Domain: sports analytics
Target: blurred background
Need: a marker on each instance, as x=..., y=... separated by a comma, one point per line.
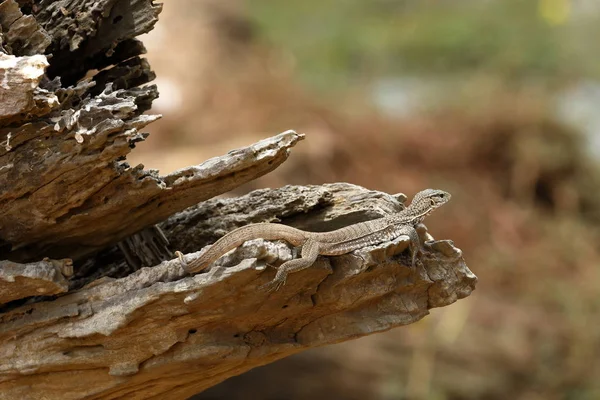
x=494, y=101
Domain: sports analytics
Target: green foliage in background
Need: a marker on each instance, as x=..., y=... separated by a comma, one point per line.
x=337, y=42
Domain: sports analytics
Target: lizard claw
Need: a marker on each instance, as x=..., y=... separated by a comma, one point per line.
x=272, y=286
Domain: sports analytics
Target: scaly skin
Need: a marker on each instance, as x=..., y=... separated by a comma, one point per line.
x=334, y=243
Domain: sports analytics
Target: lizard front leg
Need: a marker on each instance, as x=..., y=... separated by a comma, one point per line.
x=415, y=242
x=309, y=254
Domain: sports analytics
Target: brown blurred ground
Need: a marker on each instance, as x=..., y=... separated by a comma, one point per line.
x=524, y=211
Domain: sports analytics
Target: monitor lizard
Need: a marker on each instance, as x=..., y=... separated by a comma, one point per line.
x=333, y=243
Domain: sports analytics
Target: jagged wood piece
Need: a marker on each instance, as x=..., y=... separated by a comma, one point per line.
x=47, y=277
x=160, y=333
x=74, y=203
x=334, y=243
x=145, y=248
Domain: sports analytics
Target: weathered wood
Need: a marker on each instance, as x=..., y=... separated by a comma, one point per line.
x=21, y=34
x=67, y=124
x=65, y=198
x=47, y=277
x=158, y=333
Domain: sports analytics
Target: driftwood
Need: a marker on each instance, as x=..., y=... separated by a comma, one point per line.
x=78, y=317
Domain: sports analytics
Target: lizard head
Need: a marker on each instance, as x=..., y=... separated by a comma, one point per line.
x=431, y=198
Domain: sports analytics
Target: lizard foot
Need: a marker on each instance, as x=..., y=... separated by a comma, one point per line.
x=273, y=286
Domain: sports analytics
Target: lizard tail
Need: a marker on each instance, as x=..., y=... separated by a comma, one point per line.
x=238, y=236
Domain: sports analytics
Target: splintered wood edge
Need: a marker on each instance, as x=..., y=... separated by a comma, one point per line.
x=188, y=333
x=43, y=278
x=136, y=199
x=20, y=79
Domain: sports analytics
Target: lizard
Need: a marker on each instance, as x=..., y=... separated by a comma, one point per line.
x=332, y=243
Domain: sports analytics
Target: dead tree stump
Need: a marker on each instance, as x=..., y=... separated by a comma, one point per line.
x=91, y=303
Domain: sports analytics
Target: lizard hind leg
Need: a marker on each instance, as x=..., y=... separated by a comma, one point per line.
x=309, y=254
x=181, y=259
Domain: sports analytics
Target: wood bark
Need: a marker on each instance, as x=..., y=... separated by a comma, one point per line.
x=77, y=319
